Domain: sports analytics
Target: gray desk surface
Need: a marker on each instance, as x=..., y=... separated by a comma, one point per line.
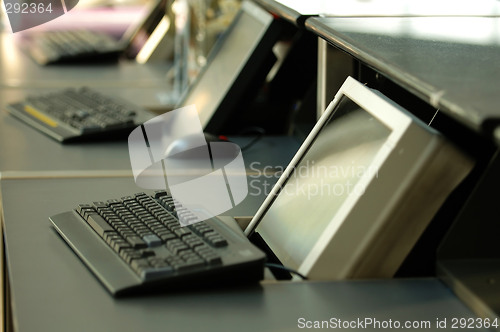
x=296, y=11
x=51, y=290
x=444, y=60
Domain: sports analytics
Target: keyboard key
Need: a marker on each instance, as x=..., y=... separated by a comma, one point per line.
x=82, y=208
x=156, y=272
x=177, y=247
x=217, y=241
x=160, y=193
x=180, y=232
x=98, y=224
x=152, y=240
x=167, y=236
x=213, y=259
x=139, y=264
x=136, y=242
x=147, y=253
x=120, y=245
x=129, y=256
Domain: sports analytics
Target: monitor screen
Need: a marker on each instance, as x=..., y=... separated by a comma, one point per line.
x=360, y=191
x=229, y=57
x=326, y=175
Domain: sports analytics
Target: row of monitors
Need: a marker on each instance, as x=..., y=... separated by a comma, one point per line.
x=365, y=183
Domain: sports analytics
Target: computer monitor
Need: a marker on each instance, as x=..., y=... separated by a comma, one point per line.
x=360, y=191
x=136, y=36
x=240, y=58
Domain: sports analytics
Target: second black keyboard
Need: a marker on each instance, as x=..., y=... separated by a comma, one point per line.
x=50, y=47
x=79, y=114
x=136, y=242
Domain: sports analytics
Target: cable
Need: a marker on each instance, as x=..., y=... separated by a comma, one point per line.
x=281, y=267
x=260, y=133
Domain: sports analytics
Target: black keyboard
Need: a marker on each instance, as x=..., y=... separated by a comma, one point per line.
x=66, y=46
x=79, y=114
x=136, y=243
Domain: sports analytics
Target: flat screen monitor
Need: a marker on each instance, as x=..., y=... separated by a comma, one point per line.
x=136, y=36
x=240, y=57
x=360, y=191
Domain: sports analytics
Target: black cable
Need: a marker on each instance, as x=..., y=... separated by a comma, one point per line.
x=260, y=133
x=281, y=267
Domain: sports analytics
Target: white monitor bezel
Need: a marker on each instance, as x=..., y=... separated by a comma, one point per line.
x=398, y=149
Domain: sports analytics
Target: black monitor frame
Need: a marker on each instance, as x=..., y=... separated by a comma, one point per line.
x=246, y=82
